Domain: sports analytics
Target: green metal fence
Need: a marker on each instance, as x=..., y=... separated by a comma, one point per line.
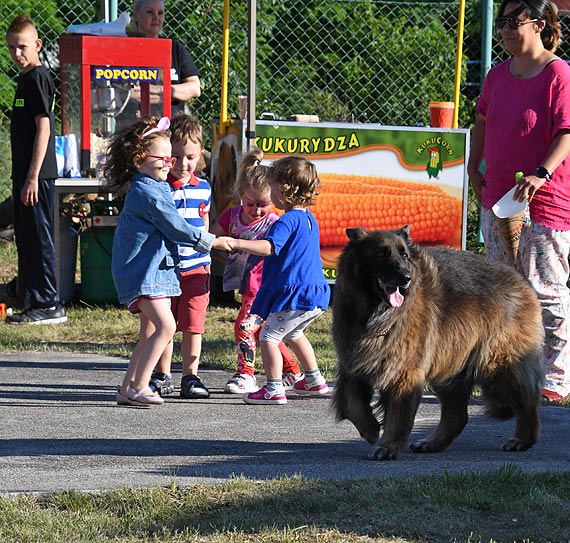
x=373, y=61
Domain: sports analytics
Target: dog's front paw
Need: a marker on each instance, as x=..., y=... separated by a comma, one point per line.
x=515, y=444
x=384, y=453
x=425, y=446
x=432, y=444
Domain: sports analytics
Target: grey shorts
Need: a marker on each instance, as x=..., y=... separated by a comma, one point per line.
x=288, y=324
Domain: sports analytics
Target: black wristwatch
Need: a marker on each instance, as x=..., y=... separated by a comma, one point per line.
x=543, y=173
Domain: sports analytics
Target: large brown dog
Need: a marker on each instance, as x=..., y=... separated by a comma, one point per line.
x=404, y=316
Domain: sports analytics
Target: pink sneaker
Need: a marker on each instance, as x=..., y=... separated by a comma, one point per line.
x=314, y=389
x=289, y=379
x=265, y=397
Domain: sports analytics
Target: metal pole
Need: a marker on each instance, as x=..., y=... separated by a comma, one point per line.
x=486, y=37
x=113, y=9
x=109, y=10
x=225, y=68
x=251, y=90
x=458, y=57
x=486, y=59
x=105, y=10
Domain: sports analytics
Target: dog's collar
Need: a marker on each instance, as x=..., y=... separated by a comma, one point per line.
x=385, y=332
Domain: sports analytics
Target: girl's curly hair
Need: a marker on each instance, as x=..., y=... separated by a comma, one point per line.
x=252, y=174
x=298, y=179
x=127, y=151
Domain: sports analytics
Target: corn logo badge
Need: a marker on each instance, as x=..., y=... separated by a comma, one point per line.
x=434, y=165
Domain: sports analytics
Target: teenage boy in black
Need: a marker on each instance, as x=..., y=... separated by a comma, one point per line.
x=34, y=170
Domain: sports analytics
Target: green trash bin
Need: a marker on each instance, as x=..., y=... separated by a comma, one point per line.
x=96, y=248
x=68, y=241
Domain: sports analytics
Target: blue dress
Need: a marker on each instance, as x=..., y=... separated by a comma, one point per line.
x=293, y=275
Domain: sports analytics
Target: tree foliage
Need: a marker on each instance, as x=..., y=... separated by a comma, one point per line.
x=306, y=63
x=340, y=60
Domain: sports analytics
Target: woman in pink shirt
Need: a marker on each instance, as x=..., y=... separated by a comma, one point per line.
x=523, y=124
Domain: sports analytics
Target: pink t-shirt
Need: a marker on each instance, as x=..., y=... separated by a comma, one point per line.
x=230, y=221
x=522, y=118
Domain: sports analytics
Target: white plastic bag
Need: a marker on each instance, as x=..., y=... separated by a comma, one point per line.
x=118, y=27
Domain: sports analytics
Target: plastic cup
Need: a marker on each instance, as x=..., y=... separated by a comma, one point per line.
x=441, y=114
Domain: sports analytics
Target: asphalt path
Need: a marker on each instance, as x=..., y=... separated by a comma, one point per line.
x=62, y=430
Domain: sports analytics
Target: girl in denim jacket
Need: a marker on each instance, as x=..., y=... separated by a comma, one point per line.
x=145, y=246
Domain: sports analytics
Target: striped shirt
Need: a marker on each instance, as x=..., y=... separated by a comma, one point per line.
x=193, y=200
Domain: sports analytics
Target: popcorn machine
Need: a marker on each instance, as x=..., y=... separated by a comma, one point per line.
x=106, y=83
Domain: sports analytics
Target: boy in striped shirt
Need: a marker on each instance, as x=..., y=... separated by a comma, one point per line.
x=192, y=197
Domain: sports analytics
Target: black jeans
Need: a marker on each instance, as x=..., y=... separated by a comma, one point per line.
x=33, y=229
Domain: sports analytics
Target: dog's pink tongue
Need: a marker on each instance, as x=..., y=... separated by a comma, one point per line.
x=396, y=299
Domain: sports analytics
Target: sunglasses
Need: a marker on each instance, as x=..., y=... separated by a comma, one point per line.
x=512, y=22
x=167, y=161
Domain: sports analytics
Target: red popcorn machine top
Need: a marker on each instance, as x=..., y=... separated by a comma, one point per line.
x=106, y=83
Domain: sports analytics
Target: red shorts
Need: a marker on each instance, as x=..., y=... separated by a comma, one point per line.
x=189, y=308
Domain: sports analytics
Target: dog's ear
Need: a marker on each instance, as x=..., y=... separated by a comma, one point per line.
x=356, y=234
x=405, y=232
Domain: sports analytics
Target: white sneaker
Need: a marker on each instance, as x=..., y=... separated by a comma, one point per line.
x=241, y=383
x=289, y=379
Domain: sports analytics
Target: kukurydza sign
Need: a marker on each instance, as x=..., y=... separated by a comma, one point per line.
x=374, y=177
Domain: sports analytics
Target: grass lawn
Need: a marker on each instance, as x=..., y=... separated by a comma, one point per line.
x=502, y=506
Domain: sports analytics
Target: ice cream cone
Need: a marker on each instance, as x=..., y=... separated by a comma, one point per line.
x=510, y=229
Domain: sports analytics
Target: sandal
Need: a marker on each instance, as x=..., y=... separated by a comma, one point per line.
x=143, y=397
x=123, y=399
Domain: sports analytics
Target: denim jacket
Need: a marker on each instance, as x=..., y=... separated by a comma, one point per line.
x=145, y=245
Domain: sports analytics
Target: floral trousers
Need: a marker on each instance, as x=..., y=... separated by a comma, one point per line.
x=542, y=259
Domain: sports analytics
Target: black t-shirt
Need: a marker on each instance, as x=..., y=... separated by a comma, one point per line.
x=183, y=66
x=34, y=96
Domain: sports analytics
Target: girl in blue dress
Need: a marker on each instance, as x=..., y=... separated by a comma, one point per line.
x=293, y=290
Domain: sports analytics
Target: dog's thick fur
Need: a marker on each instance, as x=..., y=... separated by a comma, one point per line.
x=404, y=316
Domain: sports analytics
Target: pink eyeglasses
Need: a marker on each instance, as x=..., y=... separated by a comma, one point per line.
x=167, y=161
